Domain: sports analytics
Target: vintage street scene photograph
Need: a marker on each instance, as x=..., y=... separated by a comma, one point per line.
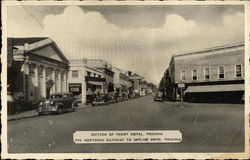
x=131, y=69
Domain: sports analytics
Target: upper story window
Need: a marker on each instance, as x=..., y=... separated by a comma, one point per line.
x=238, y=71
x=194, y=74
x=88, y=74
x=183, y=75
x=206, y=72
x=221, y=72
x=74, y=74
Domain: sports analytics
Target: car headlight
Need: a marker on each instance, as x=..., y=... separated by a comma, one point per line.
x=52, y=103
x=41, y=103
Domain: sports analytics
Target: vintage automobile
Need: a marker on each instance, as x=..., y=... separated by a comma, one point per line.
x=57, y=103
x=101, y=99
x=158, y=96
x=113, y=97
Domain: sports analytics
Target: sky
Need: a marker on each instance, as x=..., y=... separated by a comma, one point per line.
x=141, y=39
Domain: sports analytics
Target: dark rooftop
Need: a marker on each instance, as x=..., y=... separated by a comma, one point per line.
x=22, y=41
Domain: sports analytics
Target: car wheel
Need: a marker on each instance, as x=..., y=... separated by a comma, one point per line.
x=74, y=106
x=59, y=111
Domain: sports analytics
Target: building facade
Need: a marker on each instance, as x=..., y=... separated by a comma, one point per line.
x=84, y=80
x=107, y=73
x=136, y=81
x=38, y=69
x=121, y=80
x=215, y=74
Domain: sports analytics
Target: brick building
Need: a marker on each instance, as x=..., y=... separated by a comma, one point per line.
x=214, y=74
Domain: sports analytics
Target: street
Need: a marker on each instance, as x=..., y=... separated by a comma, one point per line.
x=204, y=127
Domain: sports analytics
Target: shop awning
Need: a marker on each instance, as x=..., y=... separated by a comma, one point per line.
x=95, y=83
x=215, y=88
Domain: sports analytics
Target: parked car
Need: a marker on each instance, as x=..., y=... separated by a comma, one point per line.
x=78, y=98
x=57, y=103
x=158, y=96
x=113, y=97
x=101, y=99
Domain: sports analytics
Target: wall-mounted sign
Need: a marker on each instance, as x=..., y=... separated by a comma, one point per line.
x=181, y=85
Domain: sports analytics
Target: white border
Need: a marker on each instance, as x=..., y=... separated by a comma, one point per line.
x=4, y=153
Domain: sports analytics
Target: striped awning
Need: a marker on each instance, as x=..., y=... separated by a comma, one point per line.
x=215, y=88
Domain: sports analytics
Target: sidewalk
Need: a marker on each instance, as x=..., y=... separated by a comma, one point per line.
x=33, y=113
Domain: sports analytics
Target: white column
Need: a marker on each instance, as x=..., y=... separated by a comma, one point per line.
x=44, y=79
x=36, y=90
x=25, y=70
x=84, y=86
x=56, y=81
x=60, y=82
x=65, y=81
x=53, y=78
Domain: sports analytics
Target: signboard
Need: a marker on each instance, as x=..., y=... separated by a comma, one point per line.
x=181, y=85
x=75, y=88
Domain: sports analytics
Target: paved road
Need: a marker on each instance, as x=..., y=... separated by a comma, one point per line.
x=205, y=127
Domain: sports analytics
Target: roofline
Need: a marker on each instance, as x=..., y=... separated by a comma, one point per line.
x=46, y=44
x=93, y=68
x=59, y=51
x=211, y=49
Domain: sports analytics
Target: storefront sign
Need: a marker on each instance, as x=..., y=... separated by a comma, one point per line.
x=181, y=85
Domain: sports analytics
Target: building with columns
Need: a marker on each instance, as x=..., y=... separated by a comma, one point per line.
x=38, y=69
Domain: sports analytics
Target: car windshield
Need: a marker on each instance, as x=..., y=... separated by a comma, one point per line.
x=58, y=96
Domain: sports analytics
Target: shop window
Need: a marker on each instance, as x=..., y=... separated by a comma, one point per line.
x=194, y=74
x=75, y=74
x=206, y=73
x=238, y=71
x=183, y=75
x=221, y=72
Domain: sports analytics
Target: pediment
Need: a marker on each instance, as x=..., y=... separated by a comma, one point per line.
x=51, y=52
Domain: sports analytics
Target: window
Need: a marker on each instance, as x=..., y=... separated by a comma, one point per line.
x=194, y=73
x=206, y=72
x=238, y=71
x=183, y=75
x=74, y=73
x=221, y=72
x=88, y=74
